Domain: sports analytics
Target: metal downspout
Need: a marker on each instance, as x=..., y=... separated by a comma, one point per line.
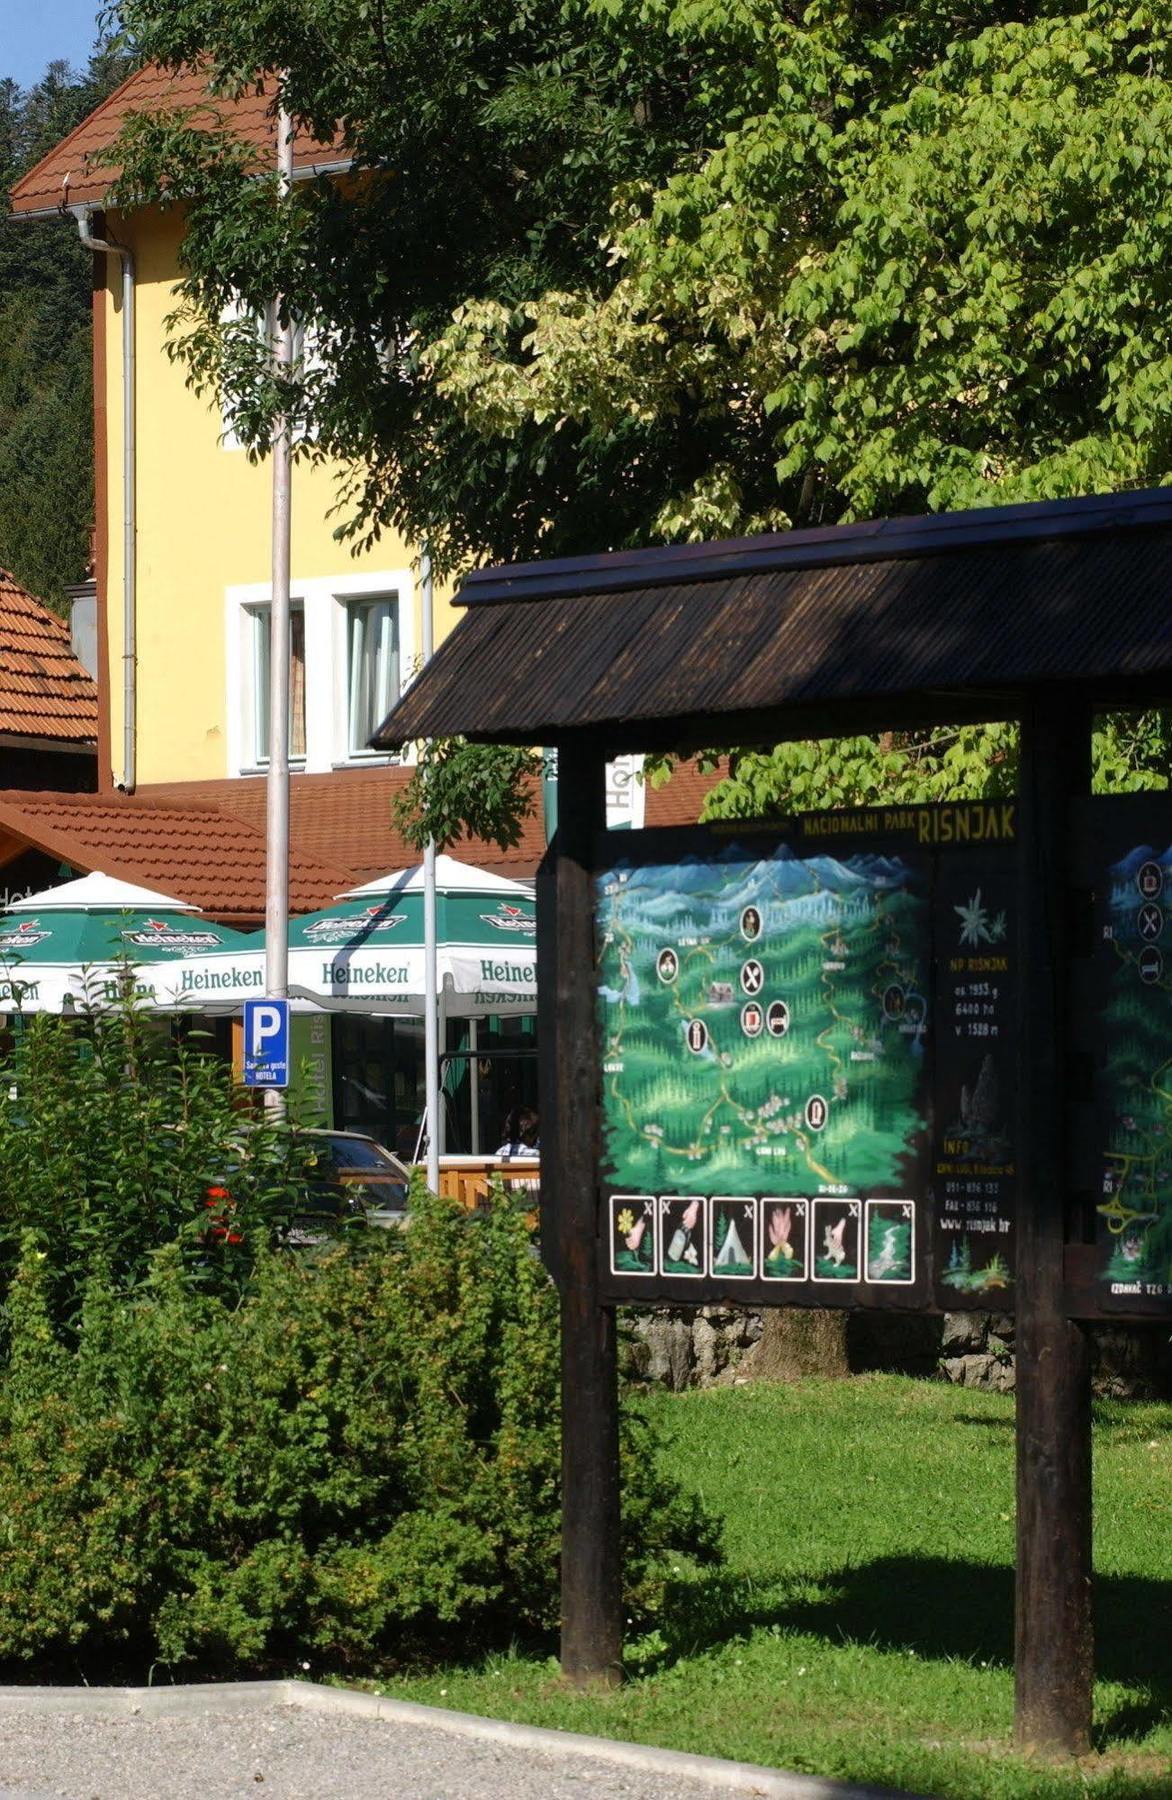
x=84, y=216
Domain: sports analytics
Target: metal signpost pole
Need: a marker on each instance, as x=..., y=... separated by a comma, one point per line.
x=277, y=793
x=431, y=1047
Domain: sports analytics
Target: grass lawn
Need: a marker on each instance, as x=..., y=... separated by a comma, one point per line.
x=862, y=1626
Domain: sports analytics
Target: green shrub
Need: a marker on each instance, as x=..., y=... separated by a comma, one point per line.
x=357, y=1463
x=110, y=1135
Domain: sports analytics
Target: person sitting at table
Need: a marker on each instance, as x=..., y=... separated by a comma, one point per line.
x=519, y=1133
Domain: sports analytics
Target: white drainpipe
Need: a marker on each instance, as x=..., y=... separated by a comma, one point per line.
x=84, y=217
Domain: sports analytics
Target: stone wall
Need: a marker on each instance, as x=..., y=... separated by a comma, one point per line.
x=1128, y=1362
x=689, y=1346
x=976, y=1350
x=682, y=1347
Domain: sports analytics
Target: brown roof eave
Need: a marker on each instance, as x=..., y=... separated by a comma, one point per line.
x=64, y=209
x=804, y=649
x=73, y=172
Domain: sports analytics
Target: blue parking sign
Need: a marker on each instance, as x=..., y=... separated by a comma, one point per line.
x=266, y=1043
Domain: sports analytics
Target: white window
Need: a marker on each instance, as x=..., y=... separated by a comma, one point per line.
x=352, y=654
x=372, y=667
x=308, y=360
x=261, y=635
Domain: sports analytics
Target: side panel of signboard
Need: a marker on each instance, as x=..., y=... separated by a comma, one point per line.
x=1126, y=1032
x=975, y=1080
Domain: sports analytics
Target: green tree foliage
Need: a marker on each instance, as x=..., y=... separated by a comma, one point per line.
x=697, y=267
x=455, y=787
x=713, y=265
x=46, y=437
x=953, y=762
x=357, y=1463
x=111, y=1134
x=493, y=135
x=924, y=248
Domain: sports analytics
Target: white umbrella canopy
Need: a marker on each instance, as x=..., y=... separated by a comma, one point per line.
x=97, y=891
x=93, y=940
x=89, y=940
x=365, y=953
x=451, y=877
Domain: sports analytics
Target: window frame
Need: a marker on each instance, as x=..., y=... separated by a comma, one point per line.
x=259, y=613
x=307, y=353
x=325, y=601
x=350, y=604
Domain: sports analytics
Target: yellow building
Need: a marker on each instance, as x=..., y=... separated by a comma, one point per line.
x=182, y=573
x=189, y=702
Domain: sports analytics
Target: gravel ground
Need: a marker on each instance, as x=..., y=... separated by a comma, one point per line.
x=289, y=1754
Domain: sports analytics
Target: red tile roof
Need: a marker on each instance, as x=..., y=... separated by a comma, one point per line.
x=196, y=853
x=203, y=841
x=44, y=691
x=679, y=801
x=72, y=172
x=344, y=818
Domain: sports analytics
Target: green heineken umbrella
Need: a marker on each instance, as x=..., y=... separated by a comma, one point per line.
x=366, y=951
x=88, y=941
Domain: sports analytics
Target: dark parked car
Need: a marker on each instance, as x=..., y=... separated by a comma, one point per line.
x=357, y=1176
x=352, y=1178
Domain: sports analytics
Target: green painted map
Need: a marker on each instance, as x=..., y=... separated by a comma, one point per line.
x=1135, y=1059
x=762, y=1021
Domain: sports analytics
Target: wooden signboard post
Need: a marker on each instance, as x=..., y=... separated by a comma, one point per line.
x=592, y=1612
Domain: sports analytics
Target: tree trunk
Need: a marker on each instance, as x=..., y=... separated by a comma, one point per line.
x=797, y=1341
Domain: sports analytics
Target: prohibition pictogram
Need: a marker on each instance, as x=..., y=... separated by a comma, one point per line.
x=1150, y=921
x=752, y=976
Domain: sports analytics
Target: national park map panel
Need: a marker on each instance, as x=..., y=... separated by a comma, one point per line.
x=768, y=1014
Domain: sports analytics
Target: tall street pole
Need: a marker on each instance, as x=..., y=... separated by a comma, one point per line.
x=431, y=1045
x=277, y=791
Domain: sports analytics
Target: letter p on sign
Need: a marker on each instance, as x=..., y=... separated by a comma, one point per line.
x=266, y=1043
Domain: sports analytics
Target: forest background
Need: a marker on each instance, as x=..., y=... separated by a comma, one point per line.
x=46, y=432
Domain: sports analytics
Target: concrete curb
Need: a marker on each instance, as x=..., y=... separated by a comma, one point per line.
x=200, y=1699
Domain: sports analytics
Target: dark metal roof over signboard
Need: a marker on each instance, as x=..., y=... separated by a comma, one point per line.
x=642, y=645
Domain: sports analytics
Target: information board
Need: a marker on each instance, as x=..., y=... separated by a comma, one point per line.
x=804, y=1035
x=1128, y=1162
x=974, y=1077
